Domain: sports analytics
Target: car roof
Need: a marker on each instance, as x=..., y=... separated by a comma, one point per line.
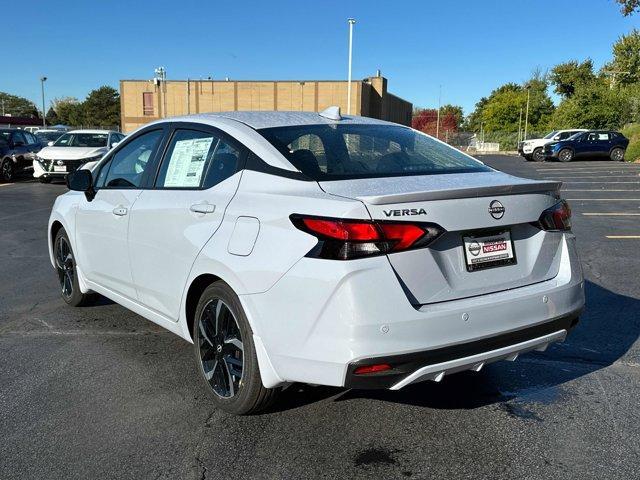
x=91, y=131
x=269, y=119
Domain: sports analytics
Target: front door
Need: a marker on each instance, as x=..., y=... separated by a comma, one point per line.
x=172, y=222
x=102, y=224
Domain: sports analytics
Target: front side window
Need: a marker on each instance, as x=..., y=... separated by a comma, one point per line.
x=91, y=140
x=128, y=164
x=367, y=151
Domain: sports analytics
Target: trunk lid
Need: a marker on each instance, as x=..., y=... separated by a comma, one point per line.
x=460, y=203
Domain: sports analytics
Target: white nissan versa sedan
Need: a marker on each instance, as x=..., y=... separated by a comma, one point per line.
x=317, y=248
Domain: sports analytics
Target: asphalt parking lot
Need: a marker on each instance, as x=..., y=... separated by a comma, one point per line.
x=98, y=392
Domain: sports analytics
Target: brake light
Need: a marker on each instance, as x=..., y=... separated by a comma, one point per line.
x=556, y=218
x=345, y=239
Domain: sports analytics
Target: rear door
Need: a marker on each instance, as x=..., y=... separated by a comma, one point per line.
x=103, y=223
x=171, y=222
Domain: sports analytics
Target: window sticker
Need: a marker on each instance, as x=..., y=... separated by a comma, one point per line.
x=187, y=162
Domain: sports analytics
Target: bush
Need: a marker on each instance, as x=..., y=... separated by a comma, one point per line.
x=632, y=132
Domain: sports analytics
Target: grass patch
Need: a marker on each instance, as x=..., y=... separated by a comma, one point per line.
x=632, y=132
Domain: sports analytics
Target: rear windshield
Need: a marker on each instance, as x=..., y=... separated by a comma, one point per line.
x=338, y=152
x=82, y=140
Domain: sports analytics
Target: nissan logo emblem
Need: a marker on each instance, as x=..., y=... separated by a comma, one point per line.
x=496, y=209
x=474, y=249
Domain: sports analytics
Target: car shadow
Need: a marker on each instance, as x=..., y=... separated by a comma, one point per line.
x=608, y=328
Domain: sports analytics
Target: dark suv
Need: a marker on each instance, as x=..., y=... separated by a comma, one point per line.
x=17, y=151
x=594, y=143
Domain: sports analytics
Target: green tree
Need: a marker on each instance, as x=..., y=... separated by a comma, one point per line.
x=52, y=117
x=626, y=59
x=568, y=76
x=17, y=106
x=500, y=112
x=594, y=106
x=629, y=6
x=102, y=107
x=69, y=111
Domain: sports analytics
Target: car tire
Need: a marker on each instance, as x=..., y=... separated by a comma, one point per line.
x=44, y=179
x=617, y=154
x=67, y=272
x=7, y=170
x=225, y=353
x=565, y=155
x=538, y=155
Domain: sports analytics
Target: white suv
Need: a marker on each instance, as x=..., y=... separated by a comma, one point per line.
x=533, y=149
x=306, y=247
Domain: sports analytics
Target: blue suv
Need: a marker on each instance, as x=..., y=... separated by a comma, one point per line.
x=594, y=143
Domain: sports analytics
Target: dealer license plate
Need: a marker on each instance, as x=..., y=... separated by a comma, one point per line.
x=488, y=251
x=57, y=168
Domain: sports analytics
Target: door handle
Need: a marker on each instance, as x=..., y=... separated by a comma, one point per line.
x=202, y=208
x=120, y=211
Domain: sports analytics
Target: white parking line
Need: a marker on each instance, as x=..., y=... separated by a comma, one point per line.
x=5, y=184
x=624, y=237
x=617, y=214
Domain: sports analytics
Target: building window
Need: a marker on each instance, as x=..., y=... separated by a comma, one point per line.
x=147, y=103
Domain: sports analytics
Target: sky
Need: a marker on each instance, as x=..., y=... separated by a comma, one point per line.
x=468, y=47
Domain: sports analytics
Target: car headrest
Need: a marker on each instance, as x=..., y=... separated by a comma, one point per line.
x=305, y=160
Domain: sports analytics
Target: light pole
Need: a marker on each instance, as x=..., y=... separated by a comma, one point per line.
x=351, y=22
x=438, y=118
x=44, y=113
x=526, y=115
x=520, y=126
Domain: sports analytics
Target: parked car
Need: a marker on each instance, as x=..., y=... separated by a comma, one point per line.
x=316, y=248
x=48, y=135
x=594, y=143
x=71, y=150
x=17, y=151
x=533, y=149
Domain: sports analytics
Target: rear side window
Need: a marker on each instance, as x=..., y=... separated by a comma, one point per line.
x=129, y=163
x=366, y=151
x=603, y=136
x=197, y=159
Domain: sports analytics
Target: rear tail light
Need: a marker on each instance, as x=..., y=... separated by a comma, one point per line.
x=343, y=239
x=368, y=369
x=556, y=218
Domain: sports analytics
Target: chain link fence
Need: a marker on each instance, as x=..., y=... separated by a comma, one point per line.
x=486, y=141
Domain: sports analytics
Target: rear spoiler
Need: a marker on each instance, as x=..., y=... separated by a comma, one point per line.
x=469, y=192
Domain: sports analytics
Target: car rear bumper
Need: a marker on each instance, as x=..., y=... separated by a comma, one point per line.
x=434, y=364
x=324, y=318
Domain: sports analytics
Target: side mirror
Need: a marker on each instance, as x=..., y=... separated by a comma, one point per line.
x=557, y=137
x=114, y=144
x=82, y=181
x=50, y=144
